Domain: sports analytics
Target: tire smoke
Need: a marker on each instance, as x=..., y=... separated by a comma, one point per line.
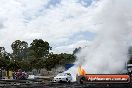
x=108, y=52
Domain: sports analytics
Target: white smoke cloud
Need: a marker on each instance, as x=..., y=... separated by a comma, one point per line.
x=109, y=51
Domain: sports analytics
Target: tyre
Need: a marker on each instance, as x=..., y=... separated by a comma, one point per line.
x=81, y=80
x=69, y=81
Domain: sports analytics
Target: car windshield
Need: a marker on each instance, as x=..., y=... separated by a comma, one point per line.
x=64, y=74
x=61, y=74
x=68, y=74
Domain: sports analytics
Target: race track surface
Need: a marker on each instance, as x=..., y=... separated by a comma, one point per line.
x=31, y=84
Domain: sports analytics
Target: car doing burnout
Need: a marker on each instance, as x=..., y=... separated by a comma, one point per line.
x=63, y=77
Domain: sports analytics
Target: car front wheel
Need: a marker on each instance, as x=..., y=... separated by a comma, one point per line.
x=68, y=80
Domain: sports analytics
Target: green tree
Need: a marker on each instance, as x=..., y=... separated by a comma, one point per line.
x=19, y=49
x=58, y=59
x=76, y=50
x=4, y=57
x=51, y=62
x=2, y=52
x=13, y=65
x=25, y=65
x=40, y=48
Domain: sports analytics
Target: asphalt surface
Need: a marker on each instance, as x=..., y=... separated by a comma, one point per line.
x=32, y=84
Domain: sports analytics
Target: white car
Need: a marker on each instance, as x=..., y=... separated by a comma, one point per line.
x=31, y=77
x=63, y=77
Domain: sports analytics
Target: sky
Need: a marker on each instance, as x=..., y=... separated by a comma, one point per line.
x=65, y=24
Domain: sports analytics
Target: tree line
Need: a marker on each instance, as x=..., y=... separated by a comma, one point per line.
x=37, y=55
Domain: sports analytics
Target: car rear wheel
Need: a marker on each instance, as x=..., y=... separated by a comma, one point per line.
x=81, y=80
x=67, y=80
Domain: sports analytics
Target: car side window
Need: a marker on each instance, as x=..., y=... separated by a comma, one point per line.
x=68, y=74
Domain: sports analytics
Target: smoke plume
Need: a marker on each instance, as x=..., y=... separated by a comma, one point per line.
x=109, y=51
